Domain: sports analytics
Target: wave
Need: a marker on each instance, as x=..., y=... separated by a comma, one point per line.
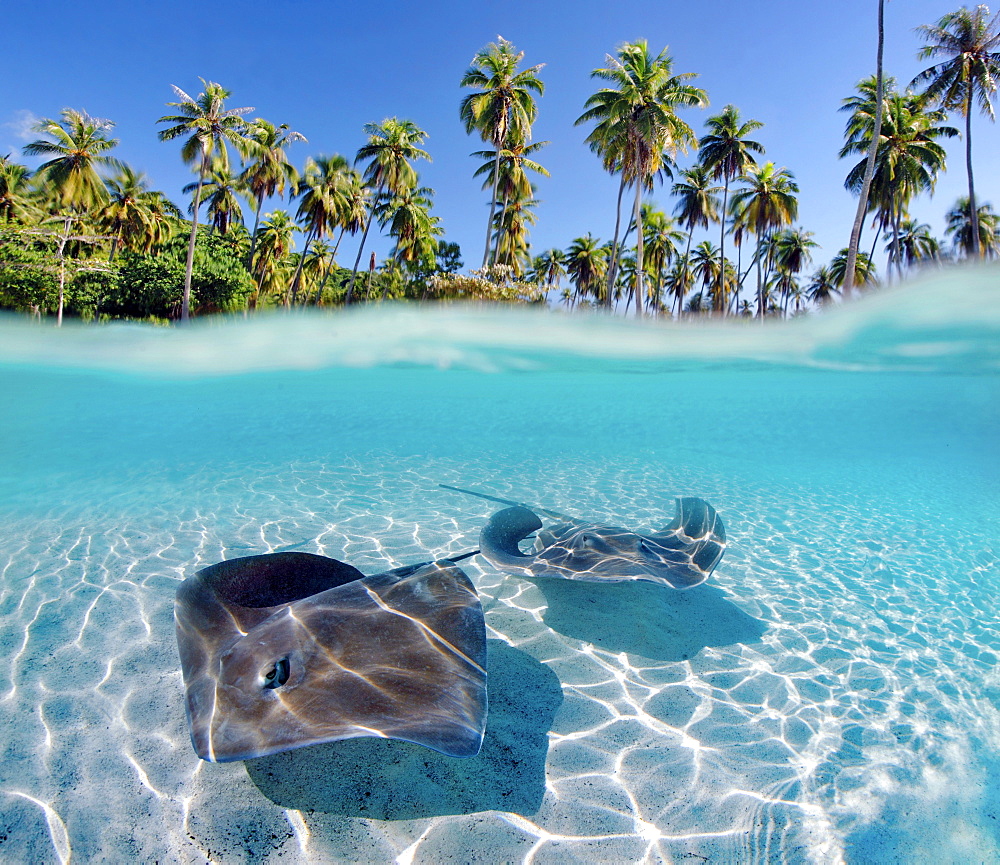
x=948, y=321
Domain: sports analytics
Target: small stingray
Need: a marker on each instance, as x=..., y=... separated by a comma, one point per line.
x=682, y=554
x=290, y=649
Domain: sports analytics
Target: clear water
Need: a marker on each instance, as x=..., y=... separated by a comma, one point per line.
x=831, y=694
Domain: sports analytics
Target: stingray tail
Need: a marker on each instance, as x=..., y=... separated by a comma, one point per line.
x=553, y=514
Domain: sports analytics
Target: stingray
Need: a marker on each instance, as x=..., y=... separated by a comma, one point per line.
x=290, y=649
x=682, y=554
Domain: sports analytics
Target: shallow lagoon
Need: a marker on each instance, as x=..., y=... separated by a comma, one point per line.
x=831, y=694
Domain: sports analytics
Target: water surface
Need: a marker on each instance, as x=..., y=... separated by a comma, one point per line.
x=831, y=694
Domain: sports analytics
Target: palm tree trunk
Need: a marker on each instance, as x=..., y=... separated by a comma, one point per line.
x=503, y=210
x=256, y=225
x=62, y=270
x=739, y=282
x=722, y=239
x=896, y=227
x=302, y=260
x=189, y=265
x=866, y=185
x=973, y=212
x=878, y=234
x=322, y=282
x=613, y=264
x=639, y=288
x=329, y=267
x=361, y=249
x=336, y=246
x=760, y=281
x=687, y=262
x=493, y=205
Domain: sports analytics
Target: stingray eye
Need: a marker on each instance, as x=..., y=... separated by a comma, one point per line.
x=588, y=540
x=277, y=675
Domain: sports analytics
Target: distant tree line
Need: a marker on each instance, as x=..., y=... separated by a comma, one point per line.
x=85, y=235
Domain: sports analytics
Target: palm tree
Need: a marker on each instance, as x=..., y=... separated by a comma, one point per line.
x=969, y=40
x=503, y=108
x=706, y=267
x=15, y=190
x=77, y=150
x=412, y=225
x=637, y=129
x=208, y=126
x=767, y=203
x=357, y=198
x=864, y=269
x=392, y=145
x=512, y=227
x=695, y=304
x=908, y=158
x=136, y=216
x=697, y=205
x=965, y=237
x=660, y=245
x=793, y=254
x=513, y=165
x=859, y=216
x=823, y=286
x=268, y=171
x=323, y=203
x=316, y=269
x=221, y=190
x=550, y=266
x=273, y=249
x=916, y=243
x=727, y=153
x=78, y=147
x=586, y=263
x=680, y=281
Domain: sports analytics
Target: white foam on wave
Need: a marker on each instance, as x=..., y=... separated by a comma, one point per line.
x=946, y=321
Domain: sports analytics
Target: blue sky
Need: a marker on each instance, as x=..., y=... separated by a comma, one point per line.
x=327, y=68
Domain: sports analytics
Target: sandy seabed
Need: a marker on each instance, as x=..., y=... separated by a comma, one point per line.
x=831, y=694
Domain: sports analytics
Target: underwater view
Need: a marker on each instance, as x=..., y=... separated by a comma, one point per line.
x=829, y=694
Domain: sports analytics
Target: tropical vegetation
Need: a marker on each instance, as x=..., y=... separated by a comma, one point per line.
x=263, y=225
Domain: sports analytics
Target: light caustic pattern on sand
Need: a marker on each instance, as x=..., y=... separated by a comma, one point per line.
x=829, y=694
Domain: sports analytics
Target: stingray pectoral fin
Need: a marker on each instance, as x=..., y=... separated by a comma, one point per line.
x=699, y=532
x=498, y=541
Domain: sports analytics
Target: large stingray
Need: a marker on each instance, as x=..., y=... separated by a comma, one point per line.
x=290, y=649
x=682, y=554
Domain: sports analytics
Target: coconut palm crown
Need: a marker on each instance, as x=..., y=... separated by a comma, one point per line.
x=727, y=152
x=207, y=126
x=503, y=107
x=78, y=147
x=637, y=128
x=970, y=41
x=392, y=145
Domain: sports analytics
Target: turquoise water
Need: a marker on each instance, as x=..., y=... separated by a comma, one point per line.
x=831, y=694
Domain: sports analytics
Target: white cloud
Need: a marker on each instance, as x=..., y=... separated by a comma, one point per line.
x=18, y=128
x=22, y=124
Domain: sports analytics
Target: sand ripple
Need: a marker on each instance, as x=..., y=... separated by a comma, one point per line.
x=831, y=693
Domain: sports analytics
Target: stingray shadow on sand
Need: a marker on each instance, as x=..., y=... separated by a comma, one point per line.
x=391, y=780
x=646, y=619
